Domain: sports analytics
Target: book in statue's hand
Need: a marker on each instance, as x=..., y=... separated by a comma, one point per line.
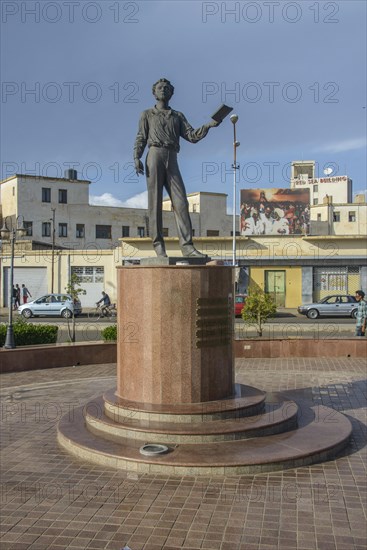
x=221, y=113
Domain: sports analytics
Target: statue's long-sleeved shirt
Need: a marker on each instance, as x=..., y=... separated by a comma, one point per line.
x=163, y=128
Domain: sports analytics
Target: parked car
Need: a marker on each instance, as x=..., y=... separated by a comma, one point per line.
x=343, y=305
x=52, y=304
x=239, y=303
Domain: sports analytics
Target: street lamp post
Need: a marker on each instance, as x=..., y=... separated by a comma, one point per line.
x=10, y=235
x=235, y=166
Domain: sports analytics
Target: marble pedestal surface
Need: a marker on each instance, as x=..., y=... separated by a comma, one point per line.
x=175, y=334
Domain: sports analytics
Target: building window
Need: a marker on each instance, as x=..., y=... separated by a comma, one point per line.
x=212, y=233
x=29, y=227
x=315, y=188
x=103, y=232
x=63, y=229
x=336, y=217
x=351, y=216
x=316, y=201
x=13, y=191
x=319, y=217
x=165, y=231
x=80, y=231
x=194, y=208
x=63, y=196
x=141, y=231
x=193, y=232
x=46, y=194
x=89, y=274
x=126, y=231
x=46, y=229
x=238, y=234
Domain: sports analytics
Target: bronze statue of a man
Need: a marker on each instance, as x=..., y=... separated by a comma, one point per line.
x=161, y=128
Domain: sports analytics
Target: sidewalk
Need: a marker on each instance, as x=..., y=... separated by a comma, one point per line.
x=53, y=501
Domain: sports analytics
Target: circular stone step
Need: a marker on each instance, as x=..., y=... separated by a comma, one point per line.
x=323, y=434
x=277, y=417
x=246, y=401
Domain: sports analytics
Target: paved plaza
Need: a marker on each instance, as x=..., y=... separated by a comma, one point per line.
x=51, y=500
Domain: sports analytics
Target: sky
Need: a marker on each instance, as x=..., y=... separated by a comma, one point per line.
x=77, y=74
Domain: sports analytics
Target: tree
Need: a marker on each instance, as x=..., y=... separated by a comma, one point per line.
x=258, y=308
x=74, y=289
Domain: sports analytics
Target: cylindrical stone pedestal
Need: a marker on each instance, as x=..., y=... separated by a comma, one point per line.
x=175, y=334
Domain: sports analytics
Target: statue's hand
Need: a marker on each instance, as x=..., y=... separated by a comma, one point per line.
x=213, y=124
x=139, y=168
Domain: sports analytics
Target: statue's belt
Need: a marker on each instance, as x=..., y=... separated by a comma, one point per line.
x=168, y=146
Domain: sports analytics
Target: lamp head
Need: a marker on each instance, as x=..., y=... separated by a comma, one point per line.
x=21, y=230
x=5, y=232
x=233, y=118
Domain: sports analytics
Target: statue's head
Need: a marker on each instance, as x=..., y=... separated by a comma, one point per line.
x=163, y=83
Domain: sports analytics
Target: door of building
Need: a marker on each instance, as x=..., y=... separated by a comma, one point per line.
x=91, y=279
x=275, y=286
x=34, y=278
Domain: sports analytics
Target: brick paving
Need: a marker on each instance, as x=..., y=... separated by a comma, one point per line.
x=53, y=501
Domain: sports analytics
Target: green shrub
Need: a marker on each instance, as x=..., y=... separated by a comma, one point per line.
x=258, y=308
x=28, y=334
x=109, y=333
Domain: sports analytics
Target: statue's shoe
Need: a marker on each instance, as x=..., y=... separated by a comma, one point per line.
x=193, y=253
x=160, y=251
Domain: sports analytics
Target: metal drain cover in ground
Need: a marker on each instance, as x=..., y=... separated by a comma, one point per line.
x=152, y=449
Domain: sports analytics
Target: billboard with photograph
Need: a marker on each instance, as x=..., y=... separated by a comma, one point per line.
x=275, y=212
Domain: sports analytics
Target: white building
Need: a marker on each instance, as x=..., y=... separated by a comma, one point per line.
x=207, y=210
x=59, y=208
x=332, y=210
x=99, y=238
x=338, y=187
x=329, y=218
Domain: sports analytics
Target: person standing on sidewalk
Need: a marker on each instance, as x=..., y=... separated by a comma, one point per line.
x=25, y=294
x=14, y=297
x=18, y=295
x=361, y=314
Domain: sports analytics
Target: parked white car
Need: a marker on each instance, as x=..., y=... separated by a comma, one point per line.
x=58, y=305
x=338, y=305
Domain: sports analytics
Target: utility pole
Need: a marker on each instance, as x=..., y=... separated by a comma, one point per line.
x=53, y=250
x=235, y=166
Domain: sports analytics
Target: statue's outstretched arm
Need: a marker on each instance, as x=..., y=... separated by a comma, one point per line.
x=191, y=135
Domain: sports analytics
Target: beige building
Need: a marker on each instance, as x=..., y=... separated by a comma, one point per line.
x=62, y=204
x=207, y=209
x=303, y=177
x=293, y=268
x=92, y=240
x=87, y=238
x=96, y=271
x=329, y=218
x=332, y=210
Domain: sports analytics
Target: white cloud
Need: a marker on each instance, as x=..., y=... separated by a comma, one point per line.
x=137, y=201
x=344, y=145
x=107, y=199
